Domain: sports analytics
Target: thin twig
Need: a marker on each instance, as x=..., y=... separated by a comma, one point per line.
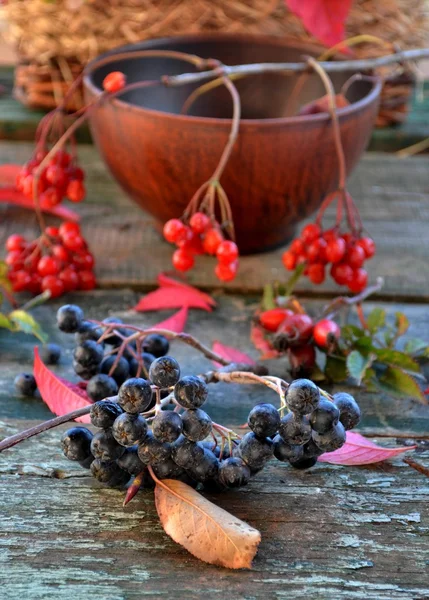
x=342, y=301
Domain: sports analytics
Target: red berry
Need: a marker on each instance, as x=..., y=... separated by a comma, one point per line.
x=212, y=240
x=76, y=173
x=61, y=158
x=192, y=244
x=329, y=235
x=341, y=273
x=50, y=197
x=15, y=260
x=367, y=245
x=227, y=252
x=183, y=260
x=52, y=232
x=53, y=284
x=289, y=260
x=21, y=281
x=325, y=332
x=83, y=261
x=48, y=265
x=199, y=222
x=226, y=271
x=73, y=242
x=355, y=257
x=15, y=242
x=114, y=81
x=35, y=285
x=68, y=227
x=302, y=359
x=172, y=230
x=347, y=237
x=75, y=190
x=70, y=279
x=40, y=155
x=60, y=253
x=358, y=281
x=316, y=273
x=310, y=233
x=317, y=251
x=297, y=247
x=27, y=186
x=335, y=250
x=87, y=280
x=272, y=319
x=56, y=176
x=298, y=328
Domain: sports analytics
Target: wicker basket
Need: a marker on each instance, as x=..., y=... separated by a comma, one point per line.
x=55, y=39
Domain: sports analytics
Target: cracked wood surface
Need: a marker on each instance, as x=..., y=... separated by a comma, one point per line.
x=331, y=532
x=392, y=195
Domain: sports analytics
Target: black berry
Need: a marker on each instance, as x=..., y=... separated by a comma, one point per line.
x=304, y=462
x=349, y=410
x=25, y=384
x=147, y=360
x=191, y=392
x=302, y=396
x=152, y=451
x=109, y=472
x=286, y=452
x=167, y=426
x=76, y=443
x=87, y=331
x=164, y=372
x=104, y=413
x=130, y=461
x=113, y=339
x=135, y=395
x=105, y=447
x=325, y=416
x=233, y=472
x=88, y=354
x=197, y=424
x=168, y=469
x=295, y=430
x=50, y=354
x=311, y=450
x=204, y=468
x=156, y=344
x=264, y=420
x=69, y=318
x=332, y=440
x=85, y=372
x=121, y=371
x=129, y=429
x=254, y=451
x=101, y=386
x=185, y=453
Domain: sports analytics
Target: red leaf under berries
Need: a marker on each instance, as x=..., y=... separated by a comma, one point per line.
x=325, y=19
x=232, y=354
x=174, y=323
x=360, y=451
x=261, y=343
x=172, y=297
x=8, y=174
x=10, y=195
x=60, y=395
x=167, y=281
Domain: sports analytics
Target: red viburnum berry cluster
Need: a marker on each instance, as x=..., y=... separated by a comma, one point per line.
x=60, y=179
x=346, y=254
x=202, y=236
x=58, y=261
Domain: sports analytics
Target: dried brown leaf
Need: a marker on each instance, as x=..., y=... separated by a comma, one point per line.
x=204, y=529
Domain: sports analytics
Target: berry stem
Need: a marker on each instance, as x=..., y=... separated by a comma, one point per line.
x=336, y=305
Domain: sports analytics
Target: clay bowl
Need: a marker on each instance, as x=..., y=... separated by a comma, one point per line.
x=281, y=167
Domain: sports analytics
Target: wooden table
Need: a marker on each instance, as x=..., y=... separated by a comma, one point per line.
x=331, y=532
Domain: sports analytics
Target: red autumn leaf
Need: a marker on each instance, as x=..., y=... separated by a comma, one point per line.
x=232, y=354
x=174, y=323
x=257, y=336
x=360, y=451
x=9, y=195
x=325, y=19
x=60, y=395
x=167, y=281
x=8, y=174
x=171, y=297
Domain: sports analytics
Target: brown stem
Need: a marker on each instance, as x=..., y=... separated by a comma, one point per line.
x=45, y=426
x=336, y=305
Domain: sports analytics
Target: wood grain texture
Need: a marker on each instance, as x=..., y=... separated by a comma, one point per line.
x=392, y=195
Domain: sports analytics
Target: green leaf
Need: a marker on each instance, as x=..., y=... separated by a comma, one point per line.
x=397, y=359
x=268, y=301
x=415, y=346
x=376, y=319
x=350, y=332
x=317, y=374
x=5, y=323
x=293, y=279
x=396, y=382
x=369, y=380
x=23, y=321
x=401, y=323
x=335, y=369
x=364, y=345
x=356, y=365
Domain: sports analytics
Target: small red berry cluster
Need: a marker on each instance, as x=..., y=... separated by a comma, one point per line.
x=346, y=253
x=114, y=81
x=58, y=261
x=202, y=236
x=298, y=335
x=60, y=179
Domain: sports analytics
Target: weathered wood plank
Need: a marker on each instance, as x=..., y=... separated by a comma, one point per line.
x=392, y=195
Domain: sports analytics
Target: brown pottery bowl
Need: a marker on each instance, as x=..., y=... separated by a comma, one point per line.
x=281, y=167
